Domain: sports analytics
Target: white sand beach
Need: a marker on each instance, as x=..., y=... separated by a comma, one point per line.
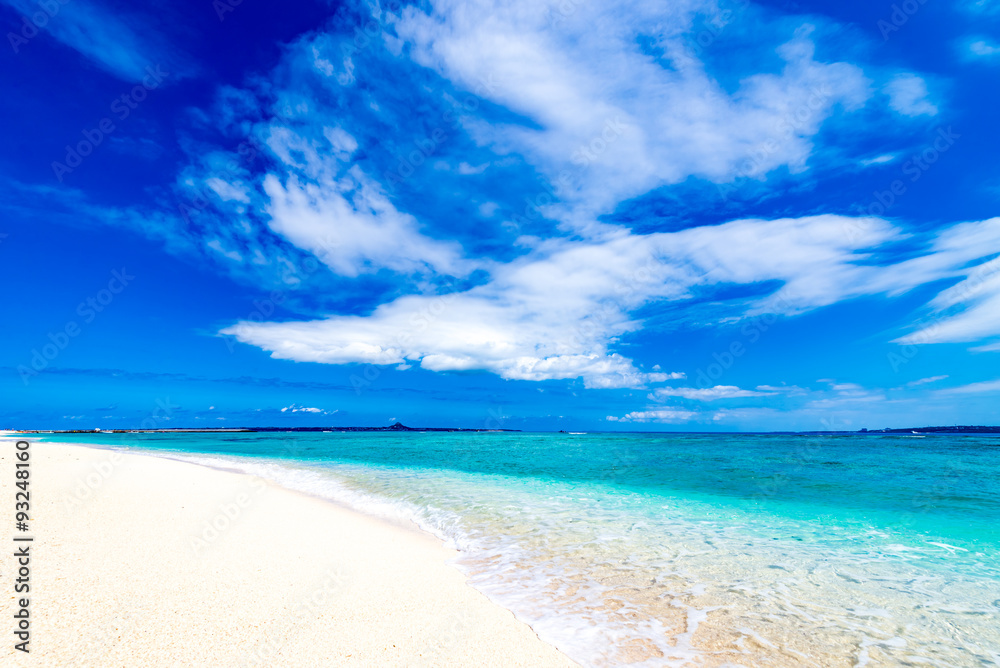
x=139, y=560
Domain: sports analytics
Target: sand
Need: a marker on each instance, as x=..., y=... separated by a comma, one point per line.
x=140, y=560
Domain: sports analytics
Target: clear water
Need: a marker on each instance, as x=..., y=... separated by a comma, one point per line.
x=683, y=549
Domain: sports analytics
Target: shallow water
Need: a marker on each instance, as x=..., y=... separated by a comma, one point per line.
x=683, y=549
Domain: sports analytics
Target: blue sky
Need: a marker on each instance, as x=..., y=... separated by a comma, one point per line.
x=570, y=215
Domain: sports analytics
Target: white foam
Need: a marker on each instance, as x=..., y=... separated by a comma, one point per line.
x=542, y=549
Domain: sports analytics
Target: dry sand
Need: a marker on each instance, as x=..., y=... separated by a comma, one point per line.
x=126, y=571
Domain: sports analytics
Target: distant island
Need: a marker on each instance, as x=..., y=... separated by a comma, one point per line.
x=399, y=426
x=935, y=430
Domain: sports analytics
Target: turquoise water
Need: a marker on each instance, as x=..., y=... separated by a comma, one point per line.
x=683, y=549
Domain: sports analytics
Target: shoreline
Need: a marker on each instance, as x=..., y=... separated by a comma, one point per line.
x=140, y=559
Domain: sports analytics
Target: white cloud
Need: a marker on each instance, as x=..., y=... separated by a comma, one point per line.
x=973, y=388
x=708, y=393
x=843, y=395
x=467, y=169
x=617, y=120
x=305, y=409
x=216, y=245
x=661, y=415
x=741, y=414
x=339, y=214
x=984, y=49
x=878, y=160
x=980, y=7
x=791, y=389
x=908, y=96
x=121, y=43
x=228, y=192
x=967, y=311
x=925, y=381
x=558, y=312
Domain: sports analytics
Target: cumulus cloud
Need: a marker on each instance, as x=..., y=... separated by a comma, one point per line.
x=973, y=388
x=842, y=395
x=966, y=311
x=610, y=119
x=982, y=48
x=878, y=160
x=660, y=415
x=122, y=43
x=352, y=227
x=305, y=409
x=558, y=312
x=925, y=381
x=708, y=393
x=908, y=96
x=602, y=115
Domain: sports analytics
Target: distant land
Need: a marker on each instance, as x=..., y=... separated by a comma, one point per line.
x=936, y=430
x=399, y=426
x=957, y=429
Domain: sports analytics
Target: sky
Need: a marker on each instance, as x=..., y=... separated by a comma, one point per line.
x=676, y=215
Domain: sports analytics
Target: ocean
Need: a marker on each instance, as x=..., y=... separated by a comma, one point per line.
x=681, y=549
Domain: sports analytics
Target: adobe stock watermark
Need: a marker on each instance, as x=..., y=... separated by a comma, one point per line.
x=442, y=643
x=610, y=310
x=715, y=25
x=223, y=7
x=419, y=322
x=927, y=329
x=263, y=309
x=750, y=333
x=47, y=10
x=588, y=153
x=914, y=168
x=86, y=486
x=228, y=514
x=247, y=151
x=425, y=147
x=591, y=151
x=365, y=34
x=932, y=493
x=335, y=583
x=562, y=11
x=90, y=484
x=802, y=457
x=121, y=107
x=901, y=13
x=495, y=419
x=88, y=311
x=784, y=130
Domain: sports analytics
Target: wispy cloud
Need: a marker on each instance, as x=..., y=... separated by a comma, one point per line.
x=966, y=311
x=660, y=415
x=973, y=388
x=708, y=393
x=925, y=381
x=126, y=45
x=305, y=409
x=878, y=160
x=578, y=86
x=984, y=48
x=515, y=325
x=321, y=180
x=980, y=49
x=908, y=96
